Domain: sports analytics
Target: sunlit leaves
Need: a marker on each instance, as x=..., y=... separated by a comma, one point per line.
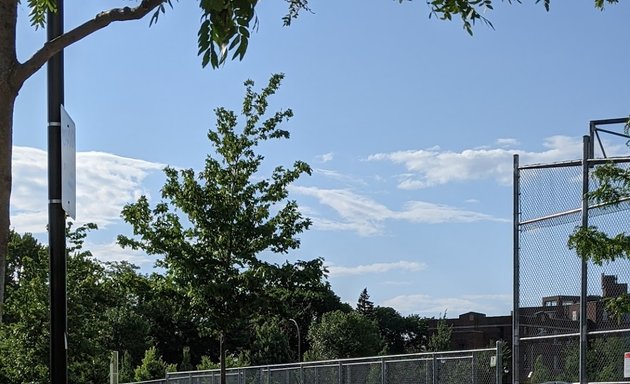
x=596, y=246
x=617, y=306
x=211, y=225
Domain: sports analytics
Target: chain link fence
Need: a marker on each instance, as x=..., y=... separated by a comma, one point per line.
x=460, y=367
x=548, y=280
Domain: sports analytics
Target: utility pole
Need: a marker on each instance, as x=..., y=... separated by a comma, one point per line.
x=299, y=341
x=56, y=214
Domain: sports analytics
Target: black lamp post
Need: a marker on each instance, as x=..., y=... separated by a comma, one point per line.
x=56, y=214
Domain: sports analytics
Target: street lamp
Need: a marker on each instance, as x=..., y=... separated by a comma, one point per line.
x=299, y=345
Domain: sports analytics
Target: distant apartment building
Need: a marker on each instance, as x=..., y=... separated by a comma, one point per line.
x=557, y=315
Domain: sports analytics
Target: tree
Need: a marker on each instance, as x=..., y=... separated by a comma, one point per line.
x=364, y=305
x=441, y=339
x=152, y=366
x=211, y=227
x=341, y=335
x=400, y=334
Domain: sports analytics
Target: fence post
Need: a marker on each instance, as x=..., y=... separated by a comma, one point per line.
x=434, y=369
x=473, y=367
x=586, y=155
x=340, y=373
x=499, y=366
x=516, y=276
x=383, y=368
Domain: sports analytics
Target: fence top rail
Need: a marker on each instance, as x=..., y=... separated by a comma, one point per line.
x=575, y=163
x=320, y=363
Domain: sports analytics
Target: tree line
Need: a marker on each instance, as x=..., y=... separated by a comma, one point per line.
x=112, y=306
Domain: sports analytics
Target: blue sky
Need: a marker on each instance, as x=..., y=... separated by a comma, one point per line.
x=409, y=124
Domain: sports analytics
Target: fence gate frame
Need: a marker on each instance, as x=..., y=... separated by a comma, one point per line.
x=588, y=161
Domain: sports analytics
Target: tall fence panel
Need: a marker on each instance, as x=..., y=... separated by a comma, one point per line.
x=562, y=330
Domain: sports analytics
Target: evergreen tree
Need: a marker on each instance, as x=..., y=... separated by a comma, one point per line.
x=364, y=305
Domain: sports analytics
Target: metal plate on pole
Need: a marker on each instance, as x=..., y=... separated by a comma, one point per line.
x=68, y=165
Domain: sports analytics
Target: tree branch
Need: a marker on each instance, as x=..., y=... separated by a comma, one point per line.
x=100, y=21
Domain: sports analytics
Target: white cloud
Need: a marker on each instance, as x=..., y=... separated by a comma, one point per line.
x=105, y=183
x=366, y=216
x=113, y=252
x=432, y=167
x=326, y=157
x=427, y=305
x=340, y=271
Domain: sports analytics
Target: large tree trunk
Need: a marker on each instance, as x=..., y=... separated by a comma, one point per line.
x=8, y=93
x=7, y=101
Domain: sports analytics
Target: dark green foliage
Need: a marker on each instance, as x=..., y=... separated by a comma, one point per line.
x=271, y=345
x=24, y=333
x=105, y=313
x=364, y=306
x=400, y=334
x=125, y=368
x=343, y=335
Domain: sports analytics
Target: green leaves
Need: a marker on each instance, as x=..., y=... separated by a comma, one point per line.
x=160, y=9
x=596, y=246
x=39, y=11
x=468, y=11
x=591, y=243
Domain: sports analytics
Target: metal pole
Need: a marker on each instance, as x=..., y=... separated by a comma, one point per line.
x=516, y=270
x=499, y=366
x=299, y=345
x=56, y=215
x=586, y=152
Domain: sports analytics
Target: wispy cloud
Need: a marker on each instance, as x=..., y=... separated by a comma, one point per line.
x=340, y=271
x=326, y=157
x=366, y=217
x=507, y=142
x=427, y=305
x=432, y=167
x=341, y=177
x=105, y=183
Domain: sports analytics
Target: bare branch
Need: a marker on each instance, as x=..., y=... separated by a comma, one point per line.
x=100, y=21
